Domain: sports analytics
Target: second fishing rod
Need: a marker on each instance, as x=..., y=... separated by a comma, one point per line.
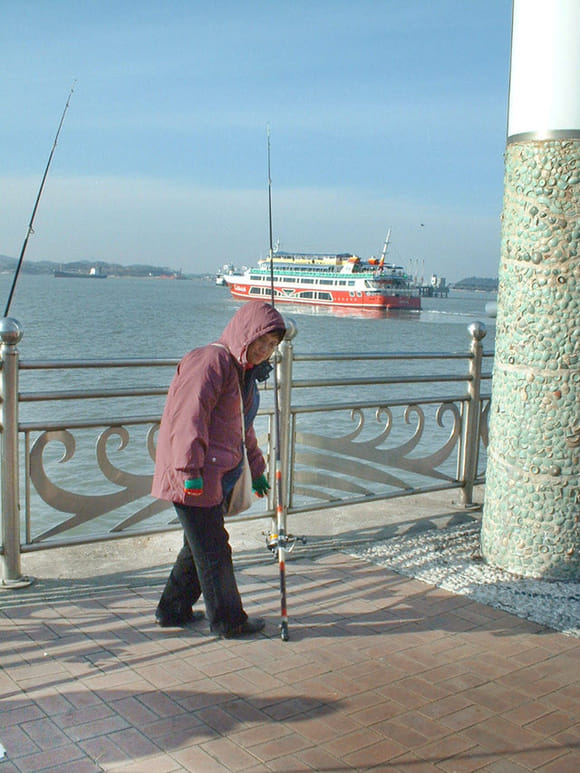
x=279, y=542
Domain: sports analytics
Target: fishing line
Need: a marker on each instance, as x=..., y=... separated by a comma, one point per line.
x=30, y=230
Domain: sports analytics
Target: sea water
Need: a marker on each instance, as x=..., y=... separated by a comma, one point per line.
x=151, y=318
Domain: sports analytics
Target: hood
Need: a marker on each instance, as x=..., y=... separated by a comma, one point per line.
x=254, y=319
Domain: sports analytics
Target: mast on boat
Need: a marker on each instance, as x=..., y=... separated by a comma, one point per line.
x=385, y=248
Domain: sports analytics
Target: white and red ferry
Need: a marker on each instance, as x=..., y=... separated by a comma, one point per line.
x=343, y=280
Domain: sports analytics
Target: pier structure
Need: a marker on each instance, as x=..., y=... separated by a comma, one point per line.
x=532, y=502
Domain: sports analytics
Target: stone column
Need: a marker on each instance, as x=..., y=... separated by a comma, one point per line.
x=532, y=501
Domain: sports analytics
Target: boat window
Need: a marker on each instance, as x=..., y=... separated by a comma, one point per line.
x=307, y=281
x=307, y=294
x=326, y=282
x=255, y=291
x=350, y=282
x=325, y=296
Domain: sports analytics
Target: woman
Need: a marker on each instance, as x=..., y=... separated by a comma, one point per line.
x=199, y=458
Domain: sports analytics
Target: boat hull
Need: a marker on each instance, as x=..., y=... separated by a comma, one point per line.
x=356, y=299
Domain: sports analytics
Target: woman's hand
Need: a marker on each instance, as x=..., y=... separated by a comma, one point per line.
x=193, y=487
x=261, y=486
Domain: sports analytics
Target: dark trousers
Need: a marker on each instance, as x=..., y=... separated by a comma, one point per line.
x=204, y=565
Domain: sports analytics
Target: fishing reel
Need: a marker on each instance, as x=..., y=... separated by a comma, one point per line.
x=286, y=541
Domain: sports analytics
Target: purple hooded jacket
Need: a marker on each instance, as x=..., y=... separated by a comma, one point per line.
x=201, y=427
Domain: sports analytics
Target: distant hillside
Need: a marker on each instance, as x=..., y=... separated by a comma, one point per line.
x=8, y=265
x=477, y=283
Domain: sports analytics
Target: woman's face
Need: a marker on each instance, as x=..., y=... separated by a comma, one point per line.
x=261, y=349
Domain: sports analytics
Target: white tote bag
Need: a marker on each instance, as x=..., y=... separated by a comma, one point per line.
x=242, y=493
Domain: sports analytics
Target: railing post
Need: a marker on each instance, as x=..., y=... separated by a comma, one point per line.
x=286, y=350
x=471, y=426
x=10, y=335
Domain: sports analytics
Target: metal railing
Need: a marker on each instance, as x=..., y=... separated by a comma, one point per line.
x=353, y=428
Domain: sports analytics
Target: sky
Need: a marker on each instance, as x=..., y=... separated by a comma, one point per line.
x=382, y=114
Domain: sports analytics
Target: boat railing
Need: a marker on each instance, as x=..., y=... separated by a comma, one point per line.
x=78, y=437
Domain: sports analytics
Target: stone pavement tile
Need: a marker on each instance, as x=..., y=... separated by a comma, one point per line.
x=402, y=733
x=534, y=757
x=476, y=758
x=450, y=746
x=45, y=733
x=553, y=723
x=49, y=701
x=55, y=756
x=446, y=706
x=408, y=762
x=77, y=766
x=466, y=717
x=288, y=764
x=17, y=742
x=504, y=766
x=377, y=754
x=178, y=732
x=217, y=718
x=243, y=711
x=496, y=697
x=351, y=742
x=497, y=734
x=15, y=716
x=568, y=763
x=156, y=763
x=195, y=760
x=254, y=735
x=100, y=727
x=565, y=698
x=280, y=747
x=365, y=706
x=133, y=710
x=570, y=737
x=229, y=754
x=320, y=760
x=527, y=712
x=402, y=692
x=103, y=751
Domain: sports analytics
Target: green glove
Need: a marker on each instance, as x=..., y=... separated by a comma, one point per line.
x=193, y=487
x=261, y=485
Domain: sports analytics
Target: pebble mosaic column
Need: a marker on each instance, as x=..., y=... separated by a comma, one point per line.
x=531, y=516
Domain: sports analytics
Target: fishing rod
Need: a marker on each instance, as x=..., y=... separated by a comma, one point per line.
x=30, y=230
x=279, y=543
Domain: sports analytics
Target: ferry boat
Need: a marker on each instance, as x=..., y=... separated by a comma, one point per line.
x=344, y=280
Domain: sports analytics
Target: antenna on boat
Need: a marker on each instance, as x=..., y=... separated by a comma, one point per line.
x=30, y=230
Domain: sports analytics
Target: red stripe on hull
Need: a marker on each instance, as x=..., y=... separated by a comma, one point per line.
x=339, y=298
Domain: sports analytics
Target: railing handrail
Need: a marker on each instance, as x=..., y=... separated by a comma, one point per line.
x=108, y=363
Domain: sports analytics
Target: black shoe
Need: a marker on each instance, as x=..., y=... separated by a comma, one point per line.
x=252, y=625
x=172, y=620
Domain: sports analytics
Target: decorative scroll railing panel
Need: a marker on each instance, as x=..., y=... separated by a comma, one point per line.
x=77, y=463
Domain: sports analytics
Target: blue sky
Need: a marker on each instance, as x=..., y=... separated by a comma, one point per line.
x=383, y=114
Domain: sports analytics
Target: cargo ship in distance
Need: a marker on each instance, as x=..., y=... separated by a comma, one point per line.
x=93, y=273
x=343, y=280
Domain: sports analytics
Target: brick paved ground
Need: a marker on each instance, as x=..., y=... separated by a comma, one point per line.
x=382, y=672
